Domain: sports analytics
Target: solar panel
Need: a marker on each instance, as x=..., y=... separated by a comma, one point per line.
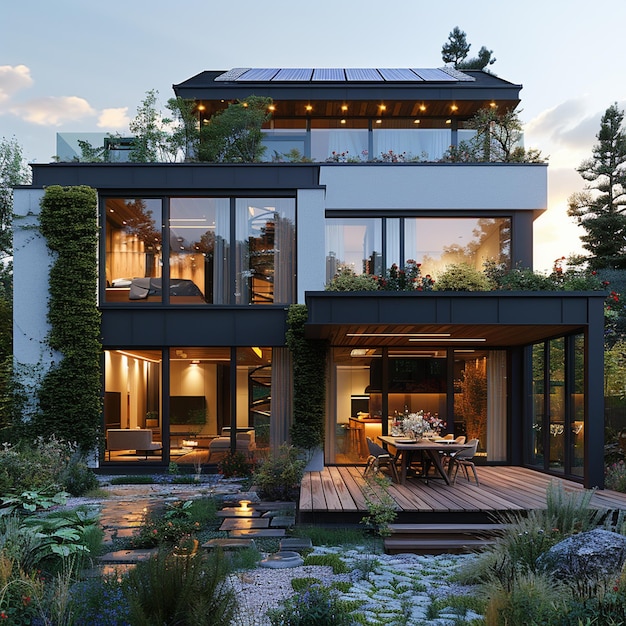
x=258, y=74
x=434, y=75
x=329, y=74
x=366, y=74
x=302, y=74
x=399, y=74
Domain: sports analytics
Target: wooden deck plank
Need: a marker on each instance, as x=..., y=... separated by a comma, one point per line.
x=345, y=497
x=318, y=501
x=502, y=489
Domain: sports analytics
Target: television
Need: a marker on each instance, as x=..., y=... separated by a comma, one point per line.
x=188, y=410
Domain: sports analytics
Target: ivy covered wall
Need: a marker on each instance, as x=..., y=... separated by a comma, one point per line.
x=70, y=404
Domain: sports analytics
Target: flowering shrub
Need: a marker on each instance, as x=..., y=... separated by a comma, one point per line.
x=615, y=477
x=235, y=465
x=408, y=278
x=347, y=280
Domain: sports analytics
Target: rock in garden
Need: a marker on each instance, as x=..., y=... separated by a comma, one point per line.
x=593, y=555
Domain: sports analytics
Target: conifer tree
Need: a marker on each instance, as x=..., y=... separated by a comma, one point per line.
x=600, y=208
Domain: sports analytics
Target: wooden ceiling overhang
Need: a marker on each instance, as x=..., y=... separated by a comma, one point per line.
x=356, y=99
x=436, y=319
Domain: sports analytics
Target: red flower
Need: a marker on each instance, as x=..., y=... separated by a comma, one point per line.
x=3, y=615
x=26, y=600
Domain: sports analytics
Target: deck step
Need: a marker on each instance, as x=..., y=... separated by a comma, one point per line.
x=435, y=546
x=441, y=538
x=446, y=529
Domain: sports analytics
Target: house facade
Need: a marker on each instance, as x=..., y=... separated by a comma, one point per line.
x=199, y=262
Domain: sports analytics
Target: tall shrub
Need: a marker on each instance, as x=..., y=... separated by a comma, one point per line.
x=309, y=381
x=69, y=396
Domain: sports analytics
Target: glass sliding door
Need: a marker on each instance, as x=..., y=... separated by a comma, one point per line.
x=556, y=405
x=577, y=407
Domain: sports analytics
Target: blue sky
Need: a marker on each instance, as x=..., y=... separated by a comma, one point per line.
x=81, y=66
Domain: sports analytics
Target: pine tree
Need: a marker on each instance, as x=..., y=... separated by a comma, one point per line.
x=456, y=49
x=600, y=208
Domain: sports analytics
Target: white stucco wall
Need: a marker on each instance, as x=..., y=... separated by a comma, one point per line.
x=481, y=186
x=311, y=241
x=31, y=265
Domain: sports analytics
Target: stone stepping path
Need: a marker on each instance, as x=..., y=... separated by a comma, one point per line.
x=296, y=544
x=229, y=543
x=280, y=560
x=259, y=532
x=236, y=523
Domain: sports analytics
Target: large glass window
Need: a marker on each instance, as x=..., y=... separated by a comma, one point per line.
x=209, y=391
x=556, y=404
x=198, y=264
x=408, y=140
x=535, y=449
x=356, y=244
x=438, y=242
x=133, y=245
x=265, y=256
x=199, y=250
x=432, y=242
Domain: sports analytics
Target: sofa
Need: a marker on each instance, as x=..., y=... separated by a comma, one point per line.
x=219, y=446
x=137, y=439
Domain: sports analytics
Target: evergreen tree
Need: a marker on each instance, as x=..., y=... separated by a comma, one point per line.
x=600, y=208
x=456, y=49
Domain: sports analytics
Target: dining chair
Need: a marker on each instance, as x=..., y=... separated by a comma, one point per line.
x=446, y=456
x=378, y=459
x=464, y=458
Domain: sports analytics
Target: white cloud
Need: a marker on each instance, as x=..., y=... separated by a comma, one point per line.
x=54, y=111
x=12, y=79
x=114, y=118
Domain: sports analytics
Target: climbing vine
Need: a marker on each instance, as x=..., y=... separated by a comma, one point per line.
x=309, y=381
x=69, y=397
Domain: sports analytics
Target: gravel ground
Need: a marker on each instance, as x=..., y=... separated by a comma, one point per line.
x=392, y=589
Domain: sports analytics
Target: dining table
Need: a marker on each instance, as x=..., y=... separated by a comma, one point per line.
x=434, y=449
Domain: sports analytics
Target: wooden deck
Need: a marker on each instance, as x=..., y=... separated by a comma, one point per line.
x=335, y=495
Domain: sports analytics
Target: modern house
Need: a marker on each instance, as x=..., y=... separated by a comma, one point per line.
x=199, y=262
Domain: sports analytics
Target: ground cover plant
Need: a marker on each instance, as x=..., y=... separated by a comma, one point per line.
x=519, y=590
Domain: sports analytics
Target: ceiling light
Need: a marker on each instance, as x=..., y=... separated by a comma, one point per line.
x=382, y=107
x=453, y=340
x=379, y=121
x=493, y=105
x=422, y=107
x=344, y=107
x=308, y=107
x=454, y=107
x=397, y=334
x=448, y=121
x=416, y=121
x=343, y=121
